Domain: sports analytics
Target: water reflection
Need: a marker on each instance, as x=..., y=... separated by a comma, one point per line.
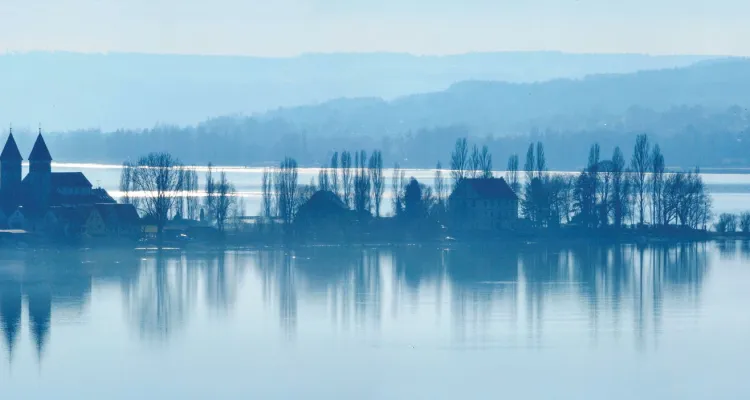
x=503, y=295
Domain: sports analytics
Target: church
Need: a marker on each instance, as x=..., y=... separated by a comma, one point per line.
x=44, y=198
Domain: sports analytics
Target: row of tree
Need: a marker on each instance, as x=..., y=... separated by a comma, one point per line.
x=162, y=188
x=359, y=184
x=609, y=192
x=728, y=223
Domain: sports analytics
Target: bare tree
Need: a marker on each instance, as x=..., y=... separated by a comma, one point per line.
x=541, y=160
x=485, y=162
x=126, y=184
x=397, y=189
x=324, y=182
x=286, y=181
x=619, y=196
x=347, y=181
x=511, y=173
x=334, y=175
x=745, y=222
x=361, y=183
x=210, y=194
x=440, y=188
x=377, y=180
x=656, y=184
x=639, y=163
x=191, y=193
x=179, y=204
x=266, y=199
x=530, y=165
x=157, y=176
x=475, y=162
x=727, y=223
x=459, y=161
x=224, y=201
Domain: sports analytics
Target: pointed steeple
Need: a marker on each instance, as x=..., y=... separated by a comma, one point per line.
x=40, y=152
x=10, y=151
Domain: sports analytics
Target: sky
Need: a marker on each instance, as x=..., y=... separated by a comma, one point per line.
x=274, y=28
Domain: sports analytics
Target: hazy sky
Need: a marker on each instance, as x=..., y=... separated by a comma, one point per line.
x=288, y=27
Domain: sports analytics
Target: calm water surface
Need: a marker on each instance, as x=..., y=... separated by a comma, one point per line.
x=535, y=321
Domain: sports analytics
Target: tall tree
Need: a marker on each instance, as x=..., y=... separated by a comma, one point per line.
x=397, y=188
x=414, y=207
x=324, y=182
x=475, y=162
x=224, y=202
x=361, y=183
x=440, y=188
x=334, y=176
x=286, y=181
x=541, y=160
x=157, y=175
x=485, y=163
x=347, y=181
x=639, y=163
x=511, y=173
x=266, y=199
x=594, y=181
x=530, y=165
x=191, y=199
x=377, y=180
x=656, y=184
x=459, y=161
x=210, y=193
x=619, y=196
x=126, y=184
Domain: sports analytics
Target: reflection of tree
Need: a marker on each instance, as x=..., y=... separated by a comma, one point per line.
x=222, y=280
x=160, y=297
x=484, y=283
x=727, y=249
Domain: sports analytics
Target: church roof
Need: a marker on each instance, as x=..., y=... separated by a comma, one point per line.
x=490, y=188
x=40, y=152
x=10, y=151
x=69, y=179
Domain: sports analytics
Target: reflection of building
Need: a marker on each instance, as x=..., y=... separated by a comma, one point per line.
x=55, y=202
x=483, y=204
x=10, y=312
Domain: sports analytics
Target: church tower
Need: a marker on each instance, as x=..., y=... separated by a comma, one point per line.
x=10, y=172
x=40, y=173
x=40, y=160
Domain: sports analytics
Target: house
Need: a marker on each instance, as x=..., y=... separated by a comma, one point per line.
x=324, y=216
x=483, y=204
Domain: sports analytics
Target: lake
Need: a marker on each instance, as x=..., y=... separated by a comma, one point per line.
x=730, y=192
x=533, y=321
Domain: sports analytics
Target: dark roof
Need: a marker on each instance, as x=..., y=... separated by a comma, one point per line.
x=491, y=188
x=40, y=152
x=69, y=179
x=121, y=213
x=324, y=199
x=322, y=204
x=10, y=151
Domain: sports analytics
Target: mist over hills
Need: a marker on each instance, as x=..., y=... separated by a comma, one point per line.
x=67, y=91
x=501, y=108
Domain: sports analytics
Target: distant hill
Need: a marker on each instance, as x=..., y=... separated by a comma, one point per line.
x=70, y=91
x=498, y=108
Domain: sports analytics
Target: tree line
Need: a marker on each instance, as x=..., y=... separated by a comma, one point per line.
x=607, y=193
x=162, y=188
